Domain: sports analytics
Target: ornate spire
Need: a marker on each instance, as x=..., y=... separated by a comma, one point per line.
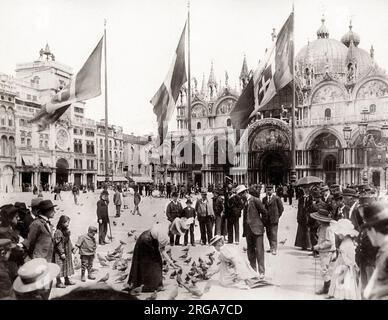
x=273, y=34
x=226, y=79
x=49, y=55
x=372, y=52
x=323, y=32
x=212, y=83
x=244, y=74
x=351, y=63
x=350, y=36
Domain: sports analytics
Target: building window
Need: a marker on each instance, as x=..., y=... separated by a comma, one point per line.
x=198, y=125
x=22, y=140
x=228, y=122
x=328, y=114
x=101, y=154
x=28, y=142
x=28, y=97
x=372, y=108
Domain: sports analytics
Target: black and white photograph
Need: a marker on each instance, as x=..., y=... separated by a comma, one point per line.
x=193, y=150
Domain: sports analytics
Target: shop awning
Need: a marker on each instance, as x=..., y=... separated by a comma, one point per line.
x=141, y=179
x=28, y=160
x=119, y=179
x=45, y=161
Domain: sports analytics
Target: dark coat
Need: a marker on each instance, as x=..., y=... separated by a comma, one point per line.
x=218, y=205
x=235, y=205
x=275, y=209
x=254, y=212
x=102, y=211
x=40, y=243
x=6, y=290
x=189, y=213
x=174, y=211
x=342, y=214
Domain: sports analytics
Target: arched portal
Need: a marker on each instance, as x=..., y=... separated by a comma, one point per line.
x=62, y=171
x=329, y=169
x=274, y=167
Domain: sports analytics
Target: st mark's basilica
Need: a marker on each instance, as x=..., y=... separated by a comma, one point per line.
x=341, y=129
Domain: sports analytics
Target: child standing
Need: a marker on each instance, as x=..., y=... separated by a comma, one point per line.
x=325, y=246
x=189, y=212
x=87, y=249
x=344, y=283
x=63, y=252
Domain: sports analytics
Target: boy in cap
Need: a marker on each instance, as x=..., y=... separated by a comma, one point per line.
x=87, y=250
x=189, y=212
x=325, y=246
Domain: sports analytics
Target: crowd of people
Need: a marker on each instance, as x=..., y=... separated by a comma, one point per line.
x=345, y=227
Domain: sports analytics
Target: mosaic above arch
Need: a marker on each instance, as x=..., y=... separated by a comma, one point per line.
x=372, y=89
x=225, y=106
x=328, y=93
x=199, y=110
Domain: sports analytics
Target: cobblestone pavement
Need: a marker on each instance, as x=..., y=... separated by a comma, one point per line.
x=291, y=272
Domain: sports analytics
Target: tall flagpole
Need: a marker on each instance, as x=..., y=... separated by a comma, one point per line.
x=190, y=155
x=106, y=111
x=293, y=153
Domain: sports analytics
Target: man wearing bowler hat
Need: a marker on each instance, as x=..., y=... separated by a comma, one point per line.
x=205, y=215
x=39, y=243
x=189, y=212
x=275, y=208
x=254, y=230
x=376, y=225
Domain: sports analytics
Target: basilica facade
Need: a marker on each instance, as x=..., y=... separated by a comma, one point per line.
x=341, y=130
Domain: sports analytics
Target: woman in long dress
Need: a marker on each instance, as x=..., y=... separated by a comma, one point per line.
x=344, y=282
x=234, y=269
x=147, y=264
x=305, y=202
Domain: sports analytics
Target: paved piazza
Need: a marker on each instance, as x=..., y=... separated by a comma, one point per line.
x=291, y=272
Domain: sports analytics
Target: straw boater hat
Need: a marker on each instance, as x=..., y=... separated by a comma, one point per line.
x=321, y=215
x=34, y=275
x=215, y=239
x=343, y=227
x=180, y=225
x=241, y=188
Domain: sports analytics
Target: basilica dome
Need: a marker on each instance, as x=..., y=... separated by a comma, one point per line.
x=329, y=55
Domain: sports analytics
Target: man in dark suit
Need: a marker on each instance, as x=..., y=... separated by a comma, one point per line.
x=174, y=210
x=275, y=208
x=40, y=243
x=328, y=199
x=254, y=231
x=102, y=217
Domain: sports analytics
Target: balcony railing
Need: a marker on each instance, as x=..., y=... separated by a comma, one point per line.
x=341, y=119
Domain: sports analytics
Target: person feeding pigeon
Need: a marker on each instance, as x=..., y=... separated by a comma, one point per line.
x=234, y=270
x=146, y=267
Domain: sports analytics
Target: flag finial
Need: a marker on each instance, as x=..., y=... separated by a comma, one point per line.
x=104, y=22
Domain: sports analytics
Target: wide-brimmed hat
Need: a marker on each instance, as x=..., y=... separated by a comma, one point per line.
x=350, y=192
x=322, y=215
x=241, y=188
x=337, y=195
x=35, y=202
x=180, y=225
x=375, y=213
x=45, y=205
x=34, y=275
x=215, y=239
x=343, y=227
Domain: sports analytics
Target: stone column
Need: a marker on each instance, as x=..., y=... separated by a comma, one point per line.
x=54, y=177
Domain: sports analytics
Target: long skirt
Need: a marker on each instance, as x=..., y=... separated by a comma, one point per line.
x=303, y=239
x=146, y=265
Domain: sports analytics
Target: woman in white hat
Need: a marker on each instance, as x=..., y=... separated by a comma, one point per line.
x=234, y=269
x=344, y=284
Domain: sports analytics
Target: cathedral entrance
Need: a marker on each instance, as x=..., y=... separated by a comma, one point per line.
x=273, y=168
x=62, y=171
x=329, y=168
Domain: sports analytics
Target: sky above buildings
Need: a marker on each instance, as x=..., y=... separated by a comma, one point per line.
x=143, y=35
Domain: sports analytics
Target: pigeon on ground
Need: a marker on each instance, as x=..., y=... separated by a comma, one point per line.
x=104, y=264
x=186, y=249
x=187, y=261
x=133, y=230
x=122, y=242
x=104, y=279
x=122, y=224
x=130, y=252
x=153, y=296
x=129, y=234
x=118, y=249
x=109, y=258
x=135, y=237
x=200, y=260
x=283, y=242
x=173, y=274
x=76, y=263
x=173, y=293
x=114, y=223
x=154, y=215
x=136, y=291
x=193, y=264
x=100, y=257
x=187, y=279
x=184, y=256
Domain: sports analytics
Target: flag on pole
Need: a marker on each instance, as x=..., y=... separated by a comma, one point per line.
x=273, y=74
x=165, y=98
x=85, y=85
x=277, y=71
